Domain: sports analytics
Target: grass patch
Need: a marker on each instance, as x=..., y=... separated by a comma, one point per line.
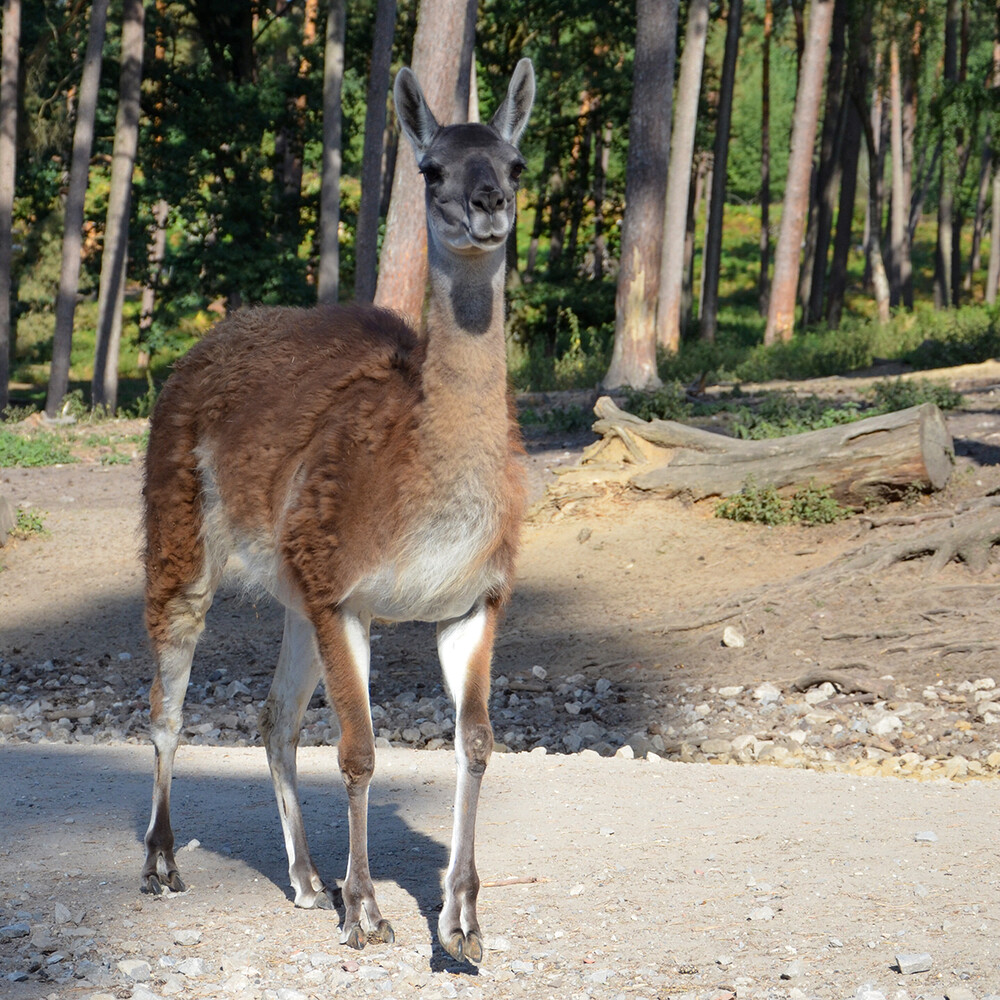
x=33, y=450
x=782, y=413
x=755, y=504
x=29, y=523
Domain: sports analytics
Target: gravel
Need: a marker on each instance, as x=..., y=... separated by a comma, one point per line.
x=947, y=730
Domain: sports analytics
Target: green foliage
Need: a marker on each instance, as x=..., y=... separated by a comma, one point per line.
x=778, y=414
x=809, y=505
x=897, y=394
x=757, y=504
x=29, y=523
x=559, y=419
x=814, y=505
x=669, y=402
x=32, y=449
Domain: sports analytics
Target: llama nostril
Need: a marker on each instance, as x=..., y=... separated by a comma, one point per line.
x=489, y=199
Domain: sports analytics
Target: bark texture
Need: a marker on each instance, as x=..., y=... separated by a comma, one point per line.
x=872, y=457
x=439, y=61
x=633, y=359
x=69, y=274
x=795, y=208
x=366, y=241
x=8, y=170
x=111, y=294
x=328, y=283
x=668, y=316
x=713, y=239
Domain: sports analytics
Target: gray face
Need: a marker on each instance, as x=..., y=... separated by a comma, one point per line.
x=472, y=176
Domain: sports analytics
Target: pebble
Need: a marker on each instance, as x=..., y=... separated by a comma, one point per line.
x=135, y=968
x=733, y=638
x=193, y=968
x=908, y=964
x=11, y=931
x=187, y=937
x=959, y=993
x=925, y=837
x=940, y=732
x=761, y=913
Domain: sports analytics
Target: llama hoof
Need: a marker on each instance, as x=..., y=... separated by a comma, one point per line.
x=154, y=885
x=356, y=937
x=383, y=933
x=323, y=899
x=468, y=947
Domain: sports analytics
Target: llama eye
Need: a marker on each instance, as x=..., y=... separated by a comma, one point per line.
x=433, y=174
x=515, y=171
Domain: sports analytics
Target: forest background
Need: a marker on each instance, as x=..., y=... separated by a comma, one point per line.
x=715, y=190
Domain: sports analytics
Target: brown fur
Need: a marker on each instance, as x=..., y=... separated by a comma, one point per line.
x=347, y=407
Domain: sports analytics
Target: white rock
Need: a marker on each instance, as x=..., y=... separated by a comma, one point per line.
x=731, y=692
x=193, y=967
x=887, y=724
x=767, y=693
x=733, y=638
x=135, y=968
x=539, y=672
x=578, y=889
x=186, y=937
x=761, y=913
x=626, y=751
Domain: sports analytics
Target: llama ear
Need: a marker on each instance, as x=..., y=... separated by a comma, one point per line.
x=415, y=117
x=511, y=117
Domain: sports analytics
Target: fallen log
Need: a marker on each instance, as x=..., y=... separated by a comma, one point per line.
x=874, y=457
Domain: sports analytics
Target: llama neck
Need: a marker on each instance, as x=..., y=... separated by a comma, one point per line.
x=465, y=324
x=465, y=372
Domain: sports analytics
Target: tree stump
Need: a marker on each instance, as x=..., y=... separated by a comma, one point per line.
x=873, y=457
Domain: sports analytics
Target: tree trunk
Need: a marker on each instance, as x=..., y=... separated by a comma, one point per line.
x=712, y=260
x=982, y=193
x=104, y=388
x=438, y=61
x=328, y=283
x=69, y=274
x=860, y=461
x=781, y=311
x=702, y=168
x=668, y=314
x=764, y=278
x=602, y=160
x=943, y=260
x=8, y=173
x=633, y=357
x=850, y=151
x=993, y=277
x=157, y=255
x=902, y=272
x=366, y=239
x=823, y=190
x=879, y=278
x=830, y=170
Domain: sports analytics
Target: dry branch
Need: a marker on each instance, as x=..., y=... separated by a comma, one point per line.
x=889, y=452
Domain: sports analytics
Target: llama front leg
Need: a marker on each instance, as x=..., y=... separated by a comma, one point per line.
x=465, y=646
x=344, y=646
x=299, y=671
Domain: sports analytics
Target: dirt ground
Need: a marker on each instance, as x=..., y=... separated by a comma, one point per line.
x=649, y=871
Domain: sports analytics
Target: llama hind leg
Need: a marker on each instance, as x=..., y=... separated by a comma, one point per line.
x=298, y=673
x=174, y=626
x=465, y=646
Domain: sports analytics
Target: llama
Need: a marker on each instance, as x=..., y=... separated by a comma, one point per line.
x=357, y=472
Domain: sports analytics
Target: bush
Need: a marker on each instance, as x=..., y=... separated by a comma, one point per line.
x=764, y=505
